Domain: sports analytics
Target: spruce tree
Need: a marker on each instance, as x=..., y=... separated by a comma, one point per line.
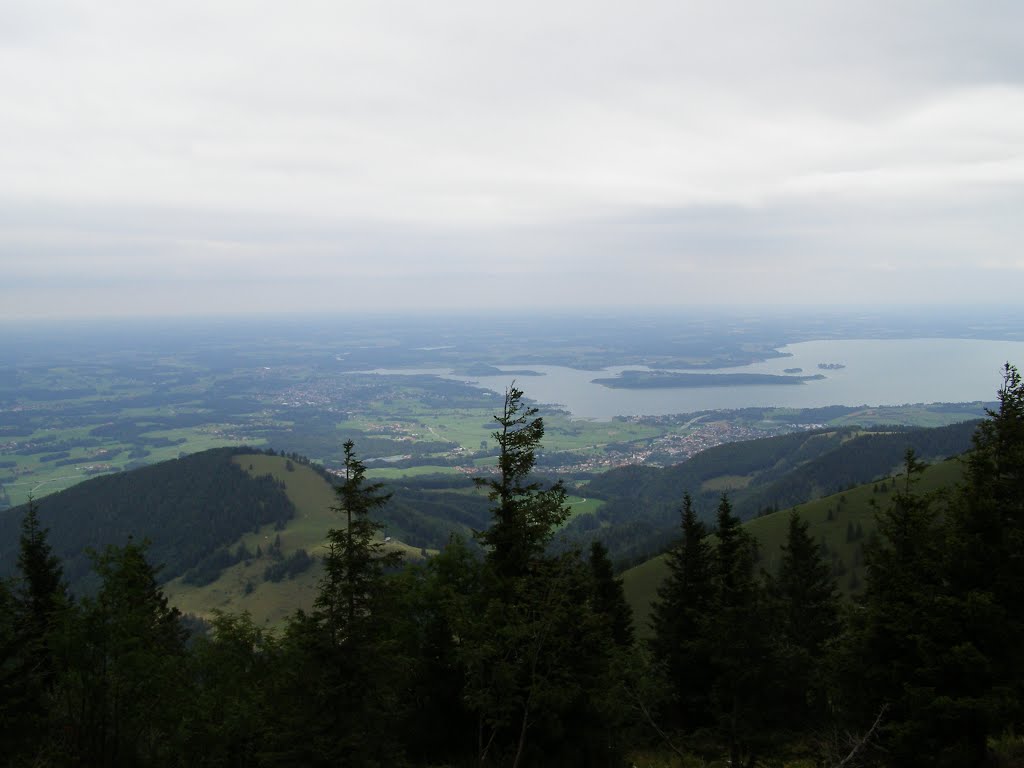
x=537, y=656
x=42, y=588
x=893, y=658
x=737, y=631
x=525, y=513
x=356, y=558
x=806, y=611
x=342, y=687
x=678, y=618
x=989, y=516
x=985, y=605
x=608, y=599
x=30, y=614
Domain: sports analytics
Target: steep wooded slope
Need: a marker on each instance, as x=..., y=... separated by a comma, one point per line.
x=639, y=515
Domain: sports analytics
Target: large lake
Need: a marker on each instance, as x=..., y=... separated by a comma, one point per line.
x=877, y=372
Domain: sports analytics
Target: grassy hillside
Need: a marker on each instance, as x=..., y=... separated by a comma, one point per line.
x=842, y=521
x=242, y=587
x=217, y=520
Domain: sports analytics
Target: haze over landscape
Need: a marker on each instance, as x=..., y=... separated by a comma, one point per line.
x=522, y=385
x=239, y=158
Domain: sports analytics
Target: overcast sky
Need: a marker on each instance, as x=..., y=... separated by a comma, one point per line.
x=196, y=157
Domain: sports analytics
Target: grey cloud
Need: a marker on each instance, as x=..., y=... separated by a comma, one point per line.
x=419, y=153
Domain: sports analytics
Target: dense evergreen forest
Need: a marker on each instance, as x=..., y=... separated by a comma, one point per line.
x=526, y=656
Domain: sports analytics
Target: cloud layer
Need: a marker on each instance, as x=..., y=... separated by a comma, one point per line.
x=229, y=156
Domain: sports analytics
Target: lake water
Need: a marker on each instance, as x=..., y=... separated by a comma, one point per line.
x=877, y=372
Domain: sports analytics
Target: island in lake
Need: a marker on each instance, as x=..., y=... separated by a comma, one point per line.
x=831, y=366
x=792, y=370
x=483, y=369
x=670, y=380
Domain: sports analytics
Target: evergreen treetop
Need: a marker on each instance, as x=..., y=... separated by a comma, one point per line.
x=356, y=559
x=525, y=514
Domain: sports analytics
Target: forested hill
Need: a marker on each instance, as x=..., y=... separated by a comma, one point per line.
x=641, y=504
x=196, y=510
x=188, y=507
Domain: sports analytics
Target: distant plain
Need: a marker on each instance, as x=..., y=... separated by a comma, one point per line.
x=101, y=397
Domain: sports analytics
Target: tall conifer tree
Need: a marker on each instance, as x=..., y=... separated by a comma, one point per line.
x=892, y=661
x=679, y=617
x=344, y=688
x=30, y=614
x=525, y=513
x=741, y=649
x=356, y=558
x=806, y=618
x=539, y=653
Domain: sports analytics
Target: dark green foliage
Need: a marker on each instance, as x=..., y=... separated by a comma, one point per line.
x=189, y=508
x=806, y=591
x=341, y=687
x=123, y=684
x=684, y=603
x=885, y=664
x=724, y=656
x=540, y=658
x=937, y=643
x=525, y=514
x=745, y=671
x=980, y=651
x=297, y=562
x=806, y=619
x=233, y=666
x=541, y=671
x=209, y=569
x=607, y=598
x=31, y=610
x=427, y=511
x=42, y=589
x=989, y=518
x=356, y=560
x=437, y=616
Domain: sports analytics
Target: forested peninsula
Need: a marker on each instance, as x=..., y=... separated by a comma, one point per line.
x=673, y=380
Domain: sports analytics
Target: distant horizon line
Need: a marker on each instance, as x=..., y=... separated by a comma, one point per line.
x=654, y=311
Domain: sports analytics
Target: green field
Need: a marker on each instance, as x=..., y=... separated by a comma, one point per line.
x=386, y=473
x=36, y=478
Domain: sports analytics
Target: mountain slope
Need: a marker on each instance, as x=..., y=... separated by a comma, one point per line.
x=843, y=522
x=234, y=528
x=639, y=515
x=189, y=508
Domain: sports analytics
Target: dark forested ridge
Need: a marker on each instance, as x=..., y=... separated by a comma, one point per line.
x=189, y=508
